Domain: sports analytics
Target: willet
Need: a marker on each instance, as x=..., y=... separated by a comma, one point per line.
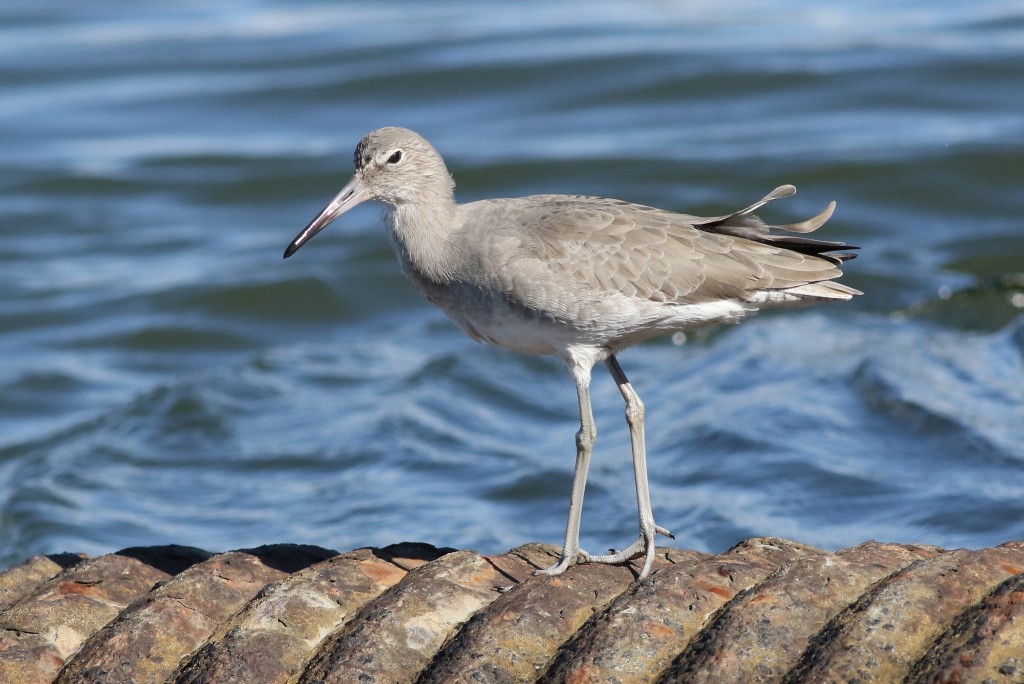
x=581, y=278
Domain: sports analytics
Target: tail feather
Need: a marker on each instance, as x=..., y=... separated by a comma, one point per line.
x=745, y=224
x=825, y=289
x=822, y=291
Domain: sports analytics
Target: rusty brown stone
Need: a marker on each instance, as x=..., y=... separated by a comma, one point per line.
x=394, y=636
x=984, y=644
x=887, y=630
x=514, y=638
x=44, y=628
x=763, y=631
x=272, y=638
x=639, y=634
x=877, y=612
x=18, y=582
x=148, y=639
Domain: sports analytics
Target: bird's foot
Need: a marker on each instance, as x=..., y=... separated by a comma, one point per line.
x=644, y=545
x=567, y=560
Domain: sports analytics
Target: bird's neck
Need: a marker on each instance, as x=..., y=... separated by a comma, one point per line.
x=421, y=234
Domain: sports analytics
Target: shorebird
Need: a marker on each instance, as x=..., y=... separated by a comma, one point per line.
x=581, y=278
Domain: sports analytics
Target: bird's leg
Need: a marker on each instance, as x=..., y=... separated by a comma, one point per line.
x=648, y=530
x=585, y=439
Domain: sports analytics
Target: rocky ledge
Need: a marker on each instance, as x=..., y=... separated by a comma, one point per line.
x=767, y=610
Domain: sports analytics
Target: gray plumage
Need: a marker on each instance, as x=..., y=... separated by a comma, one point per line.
x=581, y=277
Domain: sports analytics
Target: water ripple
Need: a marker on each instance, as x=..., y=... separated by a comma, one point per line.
x=168, y=378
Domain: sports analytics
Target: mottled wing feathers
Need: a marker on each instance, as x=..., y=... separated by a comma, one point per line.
x=617, y=247
x=614, y=247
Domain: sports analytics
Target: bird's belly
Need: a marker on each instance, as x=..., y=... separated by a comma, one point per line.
x=491, y=316
x=508, y=327
x=611, y=322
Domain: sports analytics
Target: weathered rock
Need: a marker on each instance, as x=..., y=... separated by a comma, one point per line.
x=984, y=644
x=763, y=631
x=146, y=642
x=394, y=636
x=44, y=628
x=18, y=582
x=640, y=633
x=881, y=635
x=272, y=638
x=766, y=610
x=515, y=637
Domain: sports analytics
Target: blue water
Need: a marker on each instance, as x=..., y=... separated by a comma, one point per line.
x=166, y=377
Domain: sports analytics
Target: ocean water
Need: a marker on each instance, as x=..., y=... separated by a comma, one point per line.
x=167, y=378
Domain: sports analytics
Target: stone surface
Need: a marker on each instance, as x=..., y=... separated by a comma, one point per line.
x=395, y=636
x=984, y=644
x=764, y=630
x=149, y=638
x=18, y=582
x=765, y=610
x=44, y=628
x=278, y=631
x=640, y=633
x=882, y=635
x=516, y=636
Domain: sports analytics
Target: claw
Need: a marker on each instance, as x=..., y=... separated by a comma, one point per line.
x=643, y=546
x=556, y=569
x=564, y=563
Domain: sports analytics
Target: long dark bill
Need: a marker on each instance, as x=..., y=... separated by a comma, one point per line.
x=352, y=194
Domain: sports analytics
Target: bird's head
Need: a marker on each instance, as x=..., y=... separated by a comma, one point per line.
x=393, y=165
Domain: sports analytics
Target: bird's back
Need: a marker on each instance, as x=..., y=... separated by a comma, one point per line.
x=616, y=272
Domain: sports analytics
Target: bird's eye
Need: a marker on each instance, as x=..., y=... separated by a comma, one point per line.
x=395, y=157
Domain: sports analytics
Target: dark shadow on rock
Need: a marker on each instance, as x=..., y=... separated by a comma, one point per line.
x=171, y=559
x=66, y=560
x=412, y=551
x=290, y=558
